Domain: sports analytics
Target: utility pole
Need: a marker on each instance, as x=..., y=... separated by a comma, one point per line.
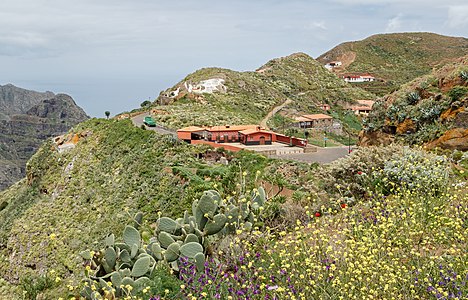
x=349, y=142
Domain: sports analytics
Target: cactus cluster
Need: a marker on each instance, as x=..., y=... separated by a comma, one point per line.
x=123, y=264
x=413, y=98
x=464, y=76
x=131, y=263
x=211, y=215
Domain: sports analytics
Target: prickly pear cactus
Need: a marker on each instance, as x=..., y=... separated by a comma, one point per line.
x=120, y=264
x=167, y=224
x=130, y=263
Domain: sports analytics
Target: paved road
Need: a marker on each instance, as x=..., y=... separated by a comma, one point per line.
x=138, y=121
x=323, y=155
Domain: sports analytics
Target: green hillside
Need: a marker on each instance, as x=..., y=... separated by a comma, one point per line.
x=396, y=57
x=343, y=220
x=71, y=199
x=249, y=96
x=120, y=212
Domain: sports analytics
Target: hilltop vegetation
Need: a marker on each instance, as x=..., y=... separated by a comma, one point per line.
x=427, y=108
x=246, y=97
x=396, y=58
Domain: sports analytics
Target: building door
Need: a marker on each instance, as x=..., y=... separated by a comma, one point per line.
x=262, y=140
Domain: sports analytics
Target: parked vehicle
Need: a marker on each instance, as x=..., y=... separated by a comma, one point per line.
x=148, y=121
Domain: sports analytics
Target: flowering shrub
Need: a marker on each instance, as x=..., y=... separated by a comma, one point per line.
x=347, y=176
x=416, y=170
x=404, y=246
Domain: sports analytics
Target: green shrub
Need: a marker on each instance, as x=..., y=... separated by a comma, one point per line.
x=464, y=76
x=413, y=98
x=34, y=285
x=457, y=92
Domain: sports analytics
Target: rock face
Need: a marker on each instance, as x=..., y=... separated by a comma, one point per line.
x=374, y=138
x=27, y=118
x=456, y=138
x=15, y=100
x=407, y=126
x=423, y=110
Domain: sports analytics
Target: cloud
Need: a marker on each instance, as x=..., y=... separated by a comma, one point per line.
x=412, y=3
x=88, y=41
x=316, y=25
x=394, y=24
x=457, y=16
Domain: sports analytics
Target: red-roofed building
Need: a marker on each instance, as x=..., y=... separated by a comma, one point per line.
x=257, y=136
x=219, y=134
x=314, y=121
x=245, y=134
x=363, y=107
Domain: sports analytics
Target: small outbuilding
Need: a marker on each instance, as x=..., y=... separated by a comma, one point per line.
x=318, y=121
x=363, y=107
x=257, y=136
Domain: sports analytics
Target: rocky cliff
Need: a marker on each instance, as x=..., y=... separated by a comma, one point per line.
x=27, y=118
x=430, y=110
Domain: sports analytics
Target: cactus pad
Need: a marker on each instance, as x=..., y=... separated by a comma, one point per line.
x=200, y=261
x=131, y=236
x=167, y=224
x=172, y=252
x=165, y=239
x=215, y=226
x=141, y=266
x=191, y=249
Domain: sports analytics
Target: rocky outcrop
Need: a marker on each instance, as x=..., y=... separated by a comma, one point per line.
x=461, y=119
x=31, y=118
x=374, y=138
x=68, y=141
x=407, y=126
x=456, y=138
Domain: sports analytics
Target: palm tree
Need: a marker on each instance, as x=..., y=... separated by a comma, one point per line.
x=107, y=113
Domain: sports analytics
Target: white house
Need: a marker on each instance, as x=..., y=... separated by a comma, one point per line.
x=358, y=78
x=333, y=64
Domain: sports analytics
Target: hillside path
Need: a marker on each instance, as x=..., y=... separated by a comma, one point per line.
x=275, y=109
x=138, y=121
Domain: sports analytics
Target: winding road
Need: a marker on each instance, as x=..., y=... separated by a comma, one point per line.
x=138, y=121
x=275, y=109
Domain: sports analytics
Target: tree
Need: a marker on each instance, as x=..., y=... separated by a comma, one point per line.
x=107, y=113
x=145, y=103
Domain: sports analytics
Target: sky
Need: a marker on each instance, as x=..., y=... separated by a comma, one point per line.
x=114, y=54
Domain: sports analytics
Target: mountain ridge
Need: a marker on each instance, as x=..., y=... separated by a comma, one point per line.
x=31, y=118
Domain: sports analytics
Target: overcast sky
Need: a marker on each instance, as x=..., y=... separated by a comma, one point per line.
x=114, y=54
